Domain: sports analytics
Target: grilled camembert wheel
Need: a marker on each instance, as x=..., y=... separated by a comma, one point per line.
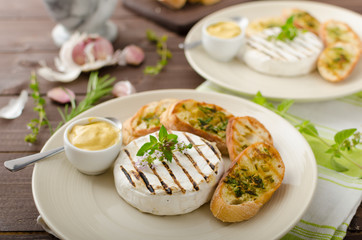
x=249, y=183
x=203, y=119
x=169, y=188
x=268, y=55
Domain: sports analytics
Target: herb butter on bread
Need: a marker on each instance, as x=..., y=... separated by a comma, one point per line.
x=248, y=184
x=203, y=119
x=241, y=132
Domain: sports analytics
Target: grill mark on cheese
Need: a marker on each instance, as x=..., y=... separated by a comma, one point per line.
x=194, y=184
x=212, y=166
x=302, y=46
x=127, y=176
x=173, y=177
x=197, y=167
x=141, y=174
x=135, y=174
x=164, y=185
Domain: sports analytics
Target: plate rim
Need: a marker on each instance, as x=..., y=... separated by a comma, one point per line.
x=314, y=174
x=229, y=87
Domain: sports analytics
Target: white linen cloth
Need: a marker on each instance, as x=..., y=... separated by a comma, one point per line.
x=337, y=195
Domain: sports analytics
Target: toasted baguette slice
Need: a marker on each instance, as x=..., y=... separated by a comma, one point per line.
x=337, y=61
x=241, y=132
x=333, y=31
x=248, y=184
x=203, y=119
x=258, y=25
x=145, y=121
x=302, y=19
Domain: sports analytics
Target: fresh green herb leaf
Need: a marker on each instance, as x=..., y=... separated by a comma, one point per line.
x=288, y=31
x=308, y=128
x=42, y=120
x=343, y=135
x=162, y=51
x=337, y=166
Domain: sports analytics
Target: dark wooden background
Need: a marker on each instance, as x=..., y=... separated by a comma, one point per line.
x=25, y=39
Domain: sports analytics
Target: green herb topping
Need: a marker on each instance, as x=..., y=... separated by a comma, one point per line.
x=288, y=31
x=244, y=183
x=160, y=149
x=212, y=121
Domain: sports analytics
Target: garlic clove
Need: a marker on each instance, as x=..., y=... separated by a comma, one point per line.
x=61, y=95
x=102, y=49
x=123, y=88
x=134, y=55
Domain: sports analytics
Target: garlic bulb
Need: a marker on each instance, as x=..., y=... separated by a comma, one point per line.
x=84, y=53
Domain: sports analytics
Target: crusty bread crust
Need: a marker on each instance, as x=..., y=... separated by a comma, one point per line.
x=145, y=121
x=241, y=132
x=226, y=205
x=335, y=70
x=173, y=118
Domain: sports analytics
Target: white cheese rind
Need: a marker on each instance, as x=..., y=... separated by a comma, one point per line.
x=278, y=58
x=185, y=196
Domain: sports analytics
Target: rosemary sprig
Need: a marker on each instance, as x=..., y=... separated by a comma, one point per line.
x=42, y=120
x=344, y=141
x=162, y=51
x=97, y=88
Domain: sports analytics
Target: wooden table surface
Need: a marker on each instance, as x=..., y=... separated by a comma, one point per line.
x=25, y=28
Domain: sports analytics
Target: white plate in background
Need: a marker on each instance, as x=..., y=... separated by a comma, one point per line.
x=237, y=77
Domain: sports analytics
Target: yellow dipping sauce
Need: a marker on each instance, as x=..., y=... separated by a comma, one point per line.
x=224, y=29
x=94, y=136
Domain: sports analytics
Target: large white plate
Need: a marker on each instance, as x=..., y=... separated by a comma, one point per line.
x=77, y=206
x=237, y=77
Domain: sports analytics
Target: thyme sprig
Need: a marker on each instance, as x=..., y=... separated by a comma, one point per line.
x=42, y=120
x=344, y=141
x=162, y=50
x=97, y=88
x=161, y=148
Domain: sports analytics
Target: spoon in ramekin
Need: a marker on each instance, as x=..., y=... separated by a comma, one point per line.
x=20, y=163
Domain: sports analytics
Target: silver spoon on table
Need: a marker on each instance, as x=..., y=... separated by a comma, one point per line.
x=20, y=163
x=243, y=23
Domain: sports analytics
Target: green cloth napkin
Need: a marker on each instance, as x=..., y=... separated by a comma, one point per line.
x=338, y=194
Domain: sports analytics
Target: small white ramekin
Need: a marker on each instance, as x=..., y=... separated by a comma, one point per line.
x=222, y=49
x=87, y=161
